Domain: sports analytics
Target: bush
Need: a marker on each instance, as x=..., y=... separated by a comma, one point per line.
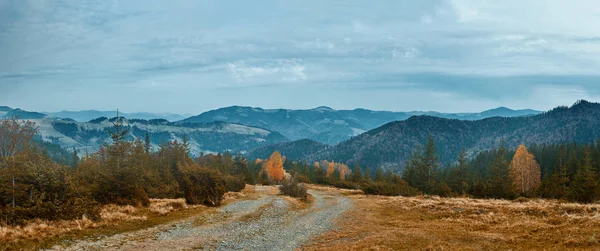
x=234, y=183
x=294, y=189
x=203, y=186
x=74, y=208
x=346, y=184
x=389, y=189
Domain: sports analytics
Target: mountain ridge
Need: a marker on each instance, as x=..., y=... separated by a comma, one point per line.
x=390, y=145
x=324, y=124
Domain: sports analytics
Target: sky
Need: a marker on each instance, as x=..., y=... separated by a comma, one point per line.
x=400, y=55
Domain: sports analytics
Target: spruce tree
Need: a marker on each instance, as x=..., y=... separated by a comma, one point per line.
x=499, y=182
x=378, y=175
x=147, y=144
x=584, y=187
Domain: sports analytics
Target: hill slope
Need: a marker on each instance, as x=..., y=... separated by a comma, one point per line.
x=327, y=125
x=24, y=114
x=87, y=115
x=292, y=150
x=211, y=137
x=391, y=145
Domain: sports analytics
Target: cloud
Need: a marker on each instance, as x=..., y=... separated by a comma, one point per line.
x=461, y=48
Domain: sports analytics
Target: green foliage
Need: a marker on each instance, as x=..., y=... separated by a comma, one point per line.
x=422, y=172
x=202, y=186
x=389, y=189
x=234, y=183
x=584, y=187
x=499, y=183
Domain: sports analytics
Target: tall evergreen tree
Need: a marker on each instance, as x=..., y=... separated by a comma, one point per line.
x=147, y=144
x=499, y=182
x=584, y=187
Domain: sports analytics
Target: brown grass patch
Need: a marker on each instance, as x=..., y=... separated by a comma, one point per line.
x=331, y=189
x=429, y=222
x=114, y=219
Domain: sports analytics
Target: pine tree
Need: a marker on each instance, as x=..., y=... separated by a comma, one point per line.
x=459, y=175
x=431, y=165
x=499, y=181
x=378, y=175
x=147, y=144
x=74, y=159
x=413, y=172
x=584, y=186
x=356, y=175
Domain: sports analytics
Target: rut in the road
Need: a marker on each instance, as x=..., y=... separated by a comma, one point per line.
x=267, y=223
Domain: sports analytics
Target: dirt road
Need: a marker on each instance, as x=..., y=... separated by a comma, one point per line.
x=270, y=222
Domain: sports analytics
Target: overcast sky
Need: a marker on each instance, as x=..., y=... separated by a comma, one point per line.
x=400, y=55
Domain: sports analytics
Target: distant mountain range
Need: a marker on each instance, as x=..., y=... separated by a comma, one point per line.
x=87, y=115
x=327, y=125
x=392, y=144
x=367, y=137
x=209, y=137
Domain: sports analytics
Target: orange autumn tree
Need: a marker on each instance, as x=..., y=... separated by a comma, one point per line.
x=274, y=167
x=331, y=167
x=525, y=172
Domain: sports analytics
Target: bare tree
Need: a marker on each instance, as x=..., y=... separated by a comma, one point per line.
x=15, y=138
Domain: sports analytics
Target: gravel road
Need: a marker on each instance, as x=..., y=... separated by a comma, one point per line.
x=270, y=222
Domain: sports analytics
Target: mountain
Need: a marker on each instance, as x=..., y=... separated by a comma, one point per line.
x=24, y=114
x=87, y=115
x=4, y=110
x=292, y=150
x=210, y=137
x=326, y=125
x=392, y=144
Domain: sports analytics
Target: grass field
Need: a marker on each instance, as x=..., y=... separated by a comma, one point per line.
x=433, y=223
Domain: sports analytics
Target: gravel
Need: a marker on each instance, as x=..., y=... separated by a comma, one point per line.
x=266, y=223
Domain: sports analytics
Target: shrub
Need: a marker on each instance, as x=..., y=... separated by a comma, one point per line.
x=294, y=189
x=346, y=184
x=203, y=186
x=234, y=183
x=73, y=208
x=389, y=189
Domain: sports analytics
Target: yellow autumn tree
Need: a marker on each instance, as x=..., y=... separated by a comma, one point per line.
x=344, y=171
x=274, y=167
x=330, y=168
x=525, y=172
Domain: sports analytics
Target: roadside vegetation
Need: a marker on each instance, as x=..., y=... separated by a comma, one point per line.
x=38, y=195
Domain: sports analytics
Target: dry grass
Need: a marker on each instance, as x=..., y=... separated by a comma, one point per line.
x=433, y=223
x=248, y=193
x=166, y=206
x=331, y=189
x=38, y=230
x=114, y=219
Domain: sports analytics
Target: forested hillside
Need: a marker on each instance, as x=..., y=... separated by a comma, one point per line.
x=293, y=150
x=210, y=137
x=391, y=145
x=326, y=125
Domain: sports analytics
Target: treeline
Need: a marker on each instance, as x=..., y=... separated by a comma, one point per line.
x=557, y=171
x=121, y=172
x=561, y=171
